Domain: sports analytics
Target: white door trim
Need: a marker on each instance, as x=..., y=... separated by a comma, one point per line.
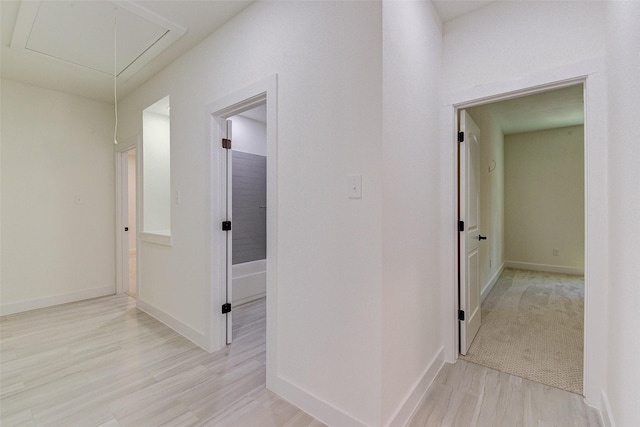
x=234, y=103
x=591, y=73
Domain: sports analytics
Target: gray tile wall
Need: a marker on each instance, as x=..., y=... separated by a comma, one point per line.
x=249, y=207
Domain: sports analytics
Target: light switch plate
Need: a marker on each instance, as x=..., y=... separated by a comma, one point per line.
x=354, y=186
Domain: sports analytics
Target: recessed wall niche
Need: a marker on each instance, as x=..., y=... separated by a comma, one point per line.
x=156, y=172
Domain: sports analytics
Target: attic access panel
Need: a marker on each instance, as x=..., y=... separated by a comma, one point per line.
x=83, y=32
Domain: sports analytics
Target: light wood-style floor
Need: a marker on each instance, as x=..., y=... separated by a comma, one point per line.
x=103, y=363
x=465, y=394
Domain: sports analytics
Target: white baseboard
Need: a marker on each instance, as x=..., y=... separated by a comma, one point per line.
x=605, y=413
x=545, y=267
x=183, y=329
x=312, y=405
x=410, y=403
x=491, y=283
x=34, y=304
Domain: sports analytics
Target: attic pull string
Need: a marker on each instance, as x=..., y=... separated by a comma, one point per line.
x=115, y=72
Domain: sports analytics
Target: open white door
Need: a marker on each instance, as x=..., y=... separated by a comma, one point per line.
x=469, y=227
x=228, y=202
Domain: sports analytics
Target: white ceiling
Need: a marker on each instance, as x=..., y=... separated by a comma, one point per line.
x=546, y=110
x=68, y=45
x=259, y=113
x=100, y=35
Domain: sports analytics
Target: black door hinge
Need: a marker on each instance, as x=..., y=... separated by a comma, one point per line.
x=460, y=225
x=226, y=143
x=460, y=136
x=226, y=225
x=461, y=315
x=126, y=229
x=226, y=308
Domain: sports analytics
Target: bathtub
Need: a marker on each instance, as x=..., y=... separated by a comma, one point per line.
x=249, y=281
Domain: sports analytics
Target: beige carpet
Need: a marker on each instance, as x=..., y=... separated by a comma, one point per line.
x=532, y=327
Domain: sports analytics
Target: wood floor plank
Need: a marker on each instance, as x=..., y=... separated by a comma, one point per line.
x=464, y=394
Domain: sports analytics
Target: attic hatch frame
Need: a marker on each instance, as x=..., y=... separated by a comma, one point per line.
x=591, y=75
x=29, y=12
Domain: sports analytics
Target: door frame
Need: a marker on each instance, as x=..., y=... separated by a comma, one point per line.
x=122, y=211
x=591, y=74
x=263, y=91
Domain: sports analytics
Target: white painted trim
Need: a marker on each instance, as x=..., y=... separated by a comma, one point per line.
x=592, y=74
x=34, y=304
x=492, y=282
x=553, y=78
x=157, y=238
x=412, y=400
x=193, y=335
x=605, y=413
x=313, y=405
x=545, y=267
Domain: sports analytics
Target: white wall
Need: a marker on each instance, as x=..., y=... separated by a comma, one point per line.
x=411, y=326
x=249, y=136
x=156, y=173
x=623, y=387
x=328, y=59
x=491, y=197
x=544, y=199
x=57, y=198
x=507, y=39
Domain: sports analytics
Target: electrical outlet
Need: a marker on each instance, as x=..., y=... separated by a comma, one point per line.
x=556, y=252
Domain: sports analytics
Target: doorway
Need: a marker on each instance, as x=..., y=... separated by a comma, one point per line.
x=249, y=205
x=247, y=209
x=131, y=229
x=127, y=213
x=262, y=94
x=592, y=75
x=531, y=185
